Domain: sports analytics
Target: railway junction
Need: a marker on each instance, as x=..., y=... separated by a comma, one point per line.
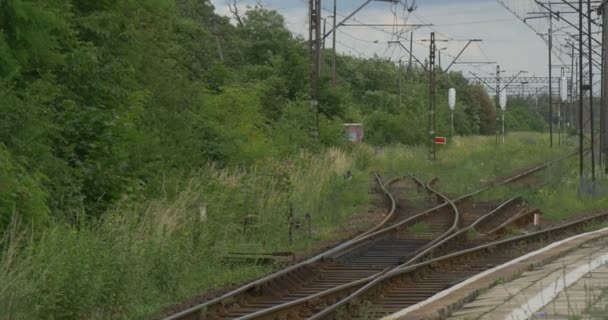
x=304, y=160
x=436, y=256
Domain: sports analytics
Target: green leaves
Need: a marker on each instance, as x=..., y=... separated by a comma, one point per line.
x=101, y=100
x=21, y=195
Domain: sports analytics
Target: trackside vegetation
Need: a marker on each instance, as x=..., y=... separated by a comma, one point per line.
x=142, y=141
x=142, y=256
x=106, y=100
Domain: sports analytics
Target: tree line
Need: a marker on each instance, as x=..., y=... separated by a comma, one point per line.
x=106, y=101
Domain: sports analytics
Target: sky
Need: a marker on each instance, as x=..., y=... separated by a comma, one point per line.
x=506, y=40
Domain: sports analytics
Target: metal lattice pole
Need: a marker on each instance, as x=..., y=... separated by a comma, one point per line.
x=432, y=100
x=315, y=44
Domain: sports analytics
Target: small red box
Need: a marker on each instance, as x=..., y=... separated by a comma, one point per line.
x=440, y=140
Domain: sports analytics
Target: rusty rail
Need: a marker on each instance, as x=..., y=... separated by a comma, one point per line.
x=274, y=310
x=197, y=309
x=375, y=232
x=403, y=270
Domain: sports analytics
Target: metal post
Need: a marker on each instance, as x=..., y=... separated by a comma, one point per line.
x=452, y=122
x=572, y=116
x=432, y=88
x=581, y=154
x=559, y=108
x=400, y=80
x=324, y=30
x=497, y=101
x=503, y=126
x=577, y=89
x=602, y=94
x=315, y=57
x=604, y=108
x=333, y=59
x=591, y=115
x=550, y=77
x=439, y=54
x=409, y=66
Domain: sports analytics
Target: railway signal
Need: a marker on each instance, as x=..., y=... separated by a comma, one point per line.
x=503, y=106
x=452, y=104
x=563, y=94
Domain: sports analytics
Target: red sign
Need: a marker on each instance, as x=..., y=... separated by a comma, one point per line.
x=440, y=140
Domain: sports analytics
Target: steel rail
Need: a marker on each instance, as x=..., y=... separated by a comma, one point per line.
x=346, y=286
x=402, y=271
x=304, y=300
x=411, y=220
x=454, y=209
x=339, y=248
x=202, y=306
x=391, y=214
x=421, y=254
x=462, y=231
x=393, y=210
x=432, y=248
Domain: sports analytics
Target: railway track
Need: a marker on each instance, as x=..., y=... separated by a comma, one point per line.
x=408, y=285
x=367, y=256
x=319, y=286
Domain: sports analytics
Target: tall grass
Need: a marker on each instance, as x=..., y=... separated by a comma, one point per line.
x=468, y=162
x=140, y=257
x=146, y=254
x=560, y=197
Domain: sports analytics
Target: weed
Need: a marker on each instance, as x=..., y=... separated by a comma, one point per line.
x=419, y=227
x=145, y=254
x=472, y=234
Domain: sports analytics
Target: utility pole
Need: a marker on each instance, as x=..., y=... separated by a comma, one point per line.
x=503, y=122
x=333, y=49
x=400, y=80
x=439, y=54
x=603, y=91
x=562, y=86
x=575, y=88
x=411, y=50
x=591, y=119
x=432, y=105
x=324, y=30
x=315, y=64
x=581, y=97
x=604, y=107
x=572, y=116
x=497, y=101
x=550, y=77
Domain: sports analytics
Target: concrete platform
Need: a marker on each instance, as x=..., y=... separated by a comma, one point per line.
x=565, y=280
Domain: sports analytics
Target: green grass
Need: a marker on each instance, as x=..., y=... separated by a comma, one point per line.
x=146, y=254
x=557, y=195
x=560, y=199
x=468, y=162
x=142, y=256
x=419, y=227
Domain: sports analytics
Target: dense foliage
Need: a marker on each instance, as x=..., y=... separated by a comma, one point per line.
x=108, y=100
x=142, y=140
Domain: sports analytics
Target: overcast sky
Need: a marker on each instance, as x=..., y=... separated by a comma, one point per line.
x=506, y=40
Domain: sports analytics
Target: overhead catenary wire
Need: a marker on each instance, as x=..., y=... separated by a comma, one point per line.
x=396, y=34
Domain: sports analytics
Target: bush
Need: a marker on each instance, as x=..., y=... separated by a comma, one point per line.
x=140, y=257
x=21, y=194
